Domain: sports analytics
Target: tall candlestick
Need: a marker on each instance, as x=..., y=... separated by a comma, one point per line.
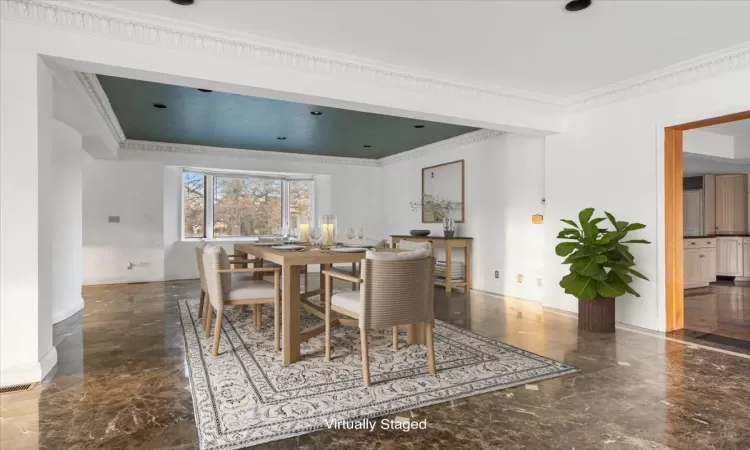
x=328, y=227
x=304, y=232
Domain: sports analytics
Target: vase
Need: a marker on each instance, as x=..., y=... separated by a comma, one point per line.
x=597, y=315
x=449, y=227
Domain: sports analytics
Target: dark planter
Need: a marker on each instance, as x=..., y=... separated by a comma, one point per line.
x=597, y=315
x=449, y=233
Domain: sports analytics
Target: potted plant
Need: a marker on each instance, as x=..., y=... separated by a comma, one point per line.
x=601, y=267
x=439, y=209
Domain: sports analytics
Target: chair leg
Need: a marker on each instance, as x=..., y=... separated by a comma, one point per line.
x=209, y=316
x=430, y=348
x=217, y=332
x=200, y=305
x=327, y=300
x=305, y=280
x=365, y=360
x=257, y=316
x=395, y=339
x=276, y=312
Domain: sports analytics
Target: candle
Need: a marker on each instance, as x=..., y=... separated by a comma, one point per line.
x=329, y=233
x=304, y=232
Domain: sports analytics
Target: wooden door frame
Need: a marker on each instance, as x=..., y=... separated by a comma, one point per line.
x=673, y=262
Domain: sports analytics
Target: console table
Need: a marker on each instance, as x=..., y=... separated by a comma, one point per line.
x=448, y=244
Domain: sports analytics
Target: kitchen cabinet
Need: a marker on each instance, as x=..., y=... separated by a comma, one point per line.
x=731, y=204
x=699, y=205
x=699, y=262
x=730, y=256
x=746, y=257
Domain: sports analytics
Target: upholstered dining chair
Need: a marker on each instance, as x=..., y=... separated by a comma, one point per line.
x=223, y=292
x=395, y=289
x=354, y=270
x=201, y=275
x=409, y=245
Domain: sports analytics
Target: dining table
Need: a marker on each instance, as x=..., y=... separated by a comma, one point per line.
x=291, y=262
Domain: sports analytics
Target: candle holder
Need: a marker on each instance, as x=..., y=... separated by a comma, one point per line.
x=304, y=230
x=328, y=226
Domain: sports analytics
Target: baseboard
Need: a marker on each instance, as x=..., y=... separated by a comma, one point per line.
x=67, y=312
x=29, y=372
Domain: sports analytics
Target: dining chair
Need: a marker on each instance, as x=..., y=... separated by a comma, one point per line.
x=355, y=267
x=222, y=291
x=395, y=289
x=234, y=260
x=409, y=245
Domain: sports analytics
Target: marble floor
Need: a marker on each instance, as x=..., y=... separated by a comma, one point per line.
x=121, y=382
x=723, y=308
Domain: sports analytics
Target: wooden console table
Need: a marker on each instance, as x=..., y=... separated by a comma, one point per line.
x=448, y=244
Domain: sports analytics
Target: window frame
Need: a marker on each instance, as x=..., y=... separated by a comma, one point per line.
x=208, y=201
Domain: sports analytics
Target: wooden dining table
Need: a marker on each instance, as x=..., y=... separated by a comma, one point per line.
x=293, y=300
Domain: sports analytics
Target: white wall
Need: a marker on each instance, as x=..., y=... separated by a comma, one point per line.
x=612, y=158
x=742, y=147
x=706, y=143
x=66, y=221
x=504, y=186
x=144, y=189
x=26, y=351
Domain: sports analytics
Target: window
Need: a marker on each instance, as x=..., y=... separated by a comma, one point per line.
x=240, y=205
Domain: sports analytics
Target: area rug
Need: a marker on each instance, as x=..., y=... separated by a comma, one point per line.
x=245, y=396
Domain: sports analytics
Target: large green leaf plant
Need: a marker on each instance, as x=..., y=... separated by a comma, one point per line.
x=601, y=264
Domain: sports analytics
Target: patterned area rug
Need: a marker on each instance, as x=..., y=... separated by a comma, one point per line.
x=245, y=396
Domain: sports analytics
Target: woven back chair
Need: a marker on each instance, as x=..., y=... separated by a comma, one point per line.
x=201, y=275
x=392, y=293
x=223, y=291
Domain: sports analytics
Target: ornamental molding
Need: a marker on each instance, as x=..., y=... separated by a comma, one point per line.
x=106, y=21
x=162, y=147
x=701, y=68
x=89, y=84
x=441, y=146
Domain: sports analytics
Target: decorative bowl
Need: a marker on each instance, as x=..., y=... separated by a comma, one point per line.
x=419, y=232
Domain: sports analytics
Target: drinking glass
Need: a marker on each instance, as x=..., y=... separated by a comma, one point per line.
x=349, y=235
x=315, y=234
x=361, y=236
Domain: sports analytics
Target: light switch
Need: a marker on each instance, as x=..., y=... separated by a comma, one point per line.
x=114, y=219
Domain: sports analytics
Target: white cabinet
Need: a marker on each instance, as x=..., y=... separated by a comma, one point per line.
x=746, y=257
x=699, y=262
x=729, y=256
x=692, y=213
x=731, y=204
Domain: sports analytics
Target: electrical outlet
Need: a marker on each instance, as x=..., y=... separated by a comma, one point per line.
x=519, y=278
x=497, y=274
x=114, y=219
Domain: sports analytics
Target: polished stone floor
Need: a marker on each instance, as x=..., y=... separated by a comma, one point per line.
x=723, y=308
x=121, y=382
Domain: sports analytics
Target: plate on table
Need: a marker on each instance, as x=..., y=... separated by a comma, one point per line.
x=288, y=247
x=266, y=244
x=348, y=250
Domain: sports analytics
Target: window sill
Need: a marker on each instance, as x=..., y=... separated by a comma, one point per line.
x=222, y=239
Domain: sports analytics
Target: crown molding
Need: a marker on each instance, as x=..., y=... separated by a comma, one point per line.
x=162, y=147
x=111, y=22
x=441, y=146
x=707, y=66
x=106, y=21
x=89, y=84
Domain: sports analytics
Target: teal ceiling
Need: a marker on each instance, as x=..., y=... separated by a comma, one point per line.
x=237, y=121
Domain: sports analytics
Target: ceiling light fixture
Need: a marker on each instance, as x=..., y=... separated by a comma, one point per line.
x=577, y=5
x=281, y=138
x=418, y=126
x=183, y=2
x=160, y=106
x=367, y=146
x=205, y=90
x=316, y=113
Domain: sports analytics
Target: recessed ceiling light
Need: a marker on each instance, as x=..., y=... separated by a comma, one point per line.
x=281, y=138
x=367, y=146
x=418, y=126
x=205, y=90
x=183, y=2
x=577, y=5
x=160, y=105
x=316, y=113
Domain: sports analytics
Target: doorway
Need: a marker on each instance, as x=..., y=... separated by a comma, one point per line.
x=675, y=232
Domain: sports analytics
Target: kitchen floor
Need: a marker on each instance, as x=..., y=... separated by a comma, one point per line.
x=121, y=382
x=722, y=309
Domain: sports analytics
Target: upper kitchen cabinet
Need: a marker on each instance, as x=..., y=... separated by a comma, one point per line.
x=731, y=204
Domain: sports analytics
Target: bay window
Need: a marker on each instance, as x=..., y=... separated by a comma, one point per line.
x=241, y=205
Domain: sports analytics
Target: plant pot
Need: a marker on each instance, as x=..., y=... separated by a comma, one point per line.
x=597, y=315
x=449, y=233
